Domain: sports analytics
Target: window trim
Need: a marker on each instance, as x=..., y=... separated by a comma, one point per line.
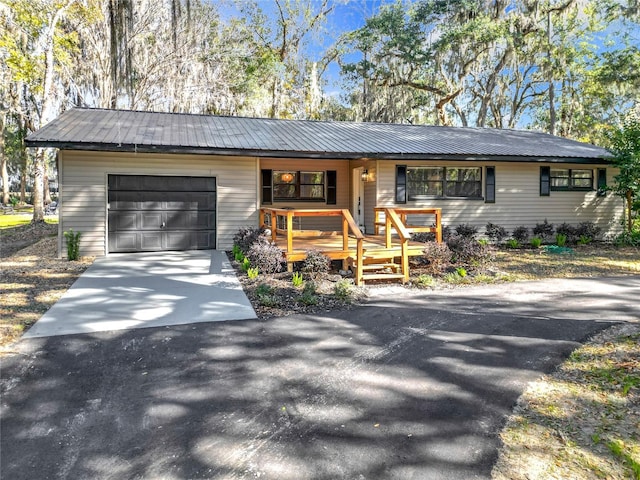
x=444, y=181
x=571, y=178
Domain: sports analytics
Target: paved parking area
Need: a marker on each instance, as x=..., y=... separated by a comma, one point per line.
x=404, y=387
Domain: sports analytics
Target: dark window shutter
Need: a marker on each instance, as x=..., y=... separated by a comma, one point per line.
x=602, y=182
x=401, y=184
x=267, y=188
x=490, y=186
x=332, y=187
x=545, y=181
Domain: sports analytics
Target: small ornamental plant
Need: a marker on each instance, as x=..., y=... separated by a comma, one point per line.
x=536, y=242
x=73, y=244
x=297, y=280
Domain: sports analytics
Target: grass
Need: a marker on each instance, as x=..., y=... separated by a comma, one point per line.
x=583, y=421
x=14, y=220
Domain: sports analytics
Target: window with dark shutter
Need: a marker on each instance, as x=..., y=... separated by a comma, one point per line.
x=545, y=181
x=401, y=184
x=267, y=189
x=332, y=187
x=602, y=182
x=490, y=186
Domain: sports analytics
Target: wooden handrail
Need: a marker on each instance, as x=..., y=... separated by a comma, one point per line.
x=392, y=218
x=348, y=225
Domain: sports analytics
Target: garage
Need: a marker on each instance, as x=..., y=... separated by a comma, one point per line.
x=149, y=213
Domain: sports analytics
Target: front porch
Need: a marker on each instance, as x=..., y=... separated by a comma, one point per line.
x=371, y=257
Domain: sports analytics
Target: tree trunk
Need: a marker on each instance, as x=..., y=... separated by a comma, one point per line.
x=23, y=185
x=38, y=179
x=46, y=193
x=629, y=197
x=3, y=164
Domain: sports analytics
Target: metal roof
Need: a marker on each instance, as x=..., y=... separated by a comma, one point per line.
x=123, y=130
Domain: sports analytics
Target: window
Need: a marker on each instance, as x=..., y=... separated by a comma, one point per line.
x=443, y=182
x=287, y=185
x=569, y=179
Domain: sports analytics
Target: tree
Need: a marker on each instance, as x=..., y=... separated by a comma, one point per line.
x=625, y=146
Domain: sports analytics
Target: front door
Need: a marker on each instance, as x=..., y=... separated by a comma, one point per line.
x=357, y=209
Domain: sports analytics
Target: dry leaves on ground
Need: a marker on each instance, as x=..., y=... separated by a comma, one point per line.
x=32, y=280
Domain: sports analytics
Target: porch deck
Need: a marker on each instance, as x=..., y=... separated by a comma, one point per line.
x=369, y=256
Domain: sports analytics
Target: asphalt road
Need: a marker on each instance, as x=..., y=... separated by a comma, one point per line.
x=405, y=387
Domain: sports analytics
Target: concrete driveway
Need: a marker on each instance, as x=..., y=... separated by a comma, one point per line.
x=140, y=290
x=405, y=387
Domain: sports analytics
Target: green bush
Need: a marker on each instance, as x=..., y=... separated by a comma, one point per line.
x=536, y=242
x=297, y=279
x=309, y=294
x=513, y=243
x=73, y=244
x=252, y=273
x=584, y=240
x=461, y=271
x=425, y=280
x=246, y=264
x=266, y=295
x=342, y=289
x=561, y=239
x=628, y=239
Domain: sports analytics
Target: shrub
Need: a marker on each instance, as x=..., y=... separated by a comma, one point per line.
x=543, y=230
x=438, y=257
x=466, y=230
x=588, y=229
x=446, y=232
x=628, y=239
x=496, y=233
x=266, y=295
x=521, y=234
x=423, y=237
x=536, y=242
x=246, y=264
x=513, y=243
x=584, y=240
x=252, y=273
x=569, y=231
x=454, y=277
x=467, y=251
x=265, y=256
x=316, y=262
x=483, y=241
x=425, y=280
x=297, y=280
x=246, y=237
x=309, y=295
x=561, y=240
x=73, y=244
x=461, y=271
x=342, y=289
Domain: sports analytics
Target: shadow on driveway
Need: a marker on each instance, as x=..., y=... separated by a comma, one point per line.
x=414, y=387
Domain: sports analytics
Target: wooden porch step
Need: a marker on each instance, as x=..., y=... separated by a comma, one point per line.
x=382, y=276
x=380, y=266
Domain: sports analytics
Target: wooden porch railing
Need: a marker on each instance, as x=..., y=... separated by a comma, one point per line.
x=269, y=217
x=403, y=213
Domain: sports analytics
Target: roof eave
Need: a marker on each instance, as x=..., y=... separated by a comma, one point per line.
x=131, y=148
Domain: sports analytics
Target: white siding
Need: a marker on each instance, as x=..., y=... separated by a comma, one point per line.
x=518, y=200
x=83, y=190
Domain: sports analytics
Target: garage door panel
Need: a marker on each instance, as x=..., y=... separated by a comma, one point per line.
x=154, y=213
x=119, y=221
x=120, y=241
x=151, y=220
